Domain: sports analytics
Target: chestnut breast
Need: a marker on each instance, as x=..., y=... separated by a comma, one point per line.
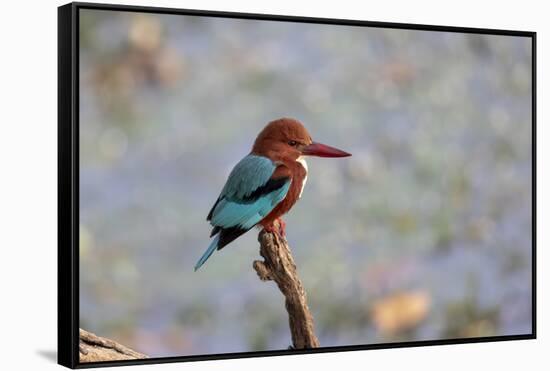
x=298, y=173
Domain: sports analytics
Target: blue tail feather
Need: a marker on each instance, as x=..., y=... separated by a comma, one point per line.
x=213, y=246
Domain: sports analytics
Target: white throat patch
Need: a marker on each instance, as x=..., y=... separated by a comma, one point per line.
x=302, y=161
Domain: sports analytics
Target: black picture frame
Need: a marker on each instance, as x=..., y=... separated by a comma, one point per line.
x=68, y=181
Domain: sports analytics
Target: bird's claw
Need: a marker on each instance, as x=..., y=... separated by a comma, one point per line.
x=279, y=228
x=282, y=228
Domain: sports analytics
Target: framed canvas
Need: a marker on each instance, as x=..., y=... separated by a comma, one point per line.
x=245, y=185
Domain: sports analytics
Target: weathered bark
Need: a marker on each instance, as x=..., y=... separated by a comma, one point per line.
x=278, y=266
x=97, y=349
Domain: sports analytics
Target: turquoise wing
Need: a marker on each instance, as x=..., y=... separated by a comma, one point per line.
x=249, y=194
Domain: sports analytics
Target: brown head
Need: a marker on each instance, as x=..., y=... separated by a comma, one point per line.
x=287, y=139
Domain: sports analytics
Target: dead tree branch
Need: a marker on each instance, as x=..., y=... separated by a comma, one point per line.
x=96, y=349
x=278, y=266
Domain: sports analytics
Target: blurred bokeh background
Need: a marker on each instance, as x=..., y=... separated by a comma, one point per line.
x=425, y=233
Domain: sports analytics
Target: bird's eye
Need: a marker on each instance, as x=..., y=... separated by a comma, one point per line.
x=292, y=143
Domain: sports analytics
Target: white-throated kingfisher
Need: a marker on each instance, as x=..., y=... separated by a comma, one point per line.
x=265, y=184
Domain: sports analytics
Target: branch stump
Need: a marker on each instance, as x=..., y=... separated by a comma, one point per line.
x=94, y=348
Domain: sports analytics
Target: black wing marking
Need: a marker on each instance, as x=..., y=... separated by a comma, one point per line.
x=212, y=210
x=215, y=230
x=270, y=186
x=227, y=235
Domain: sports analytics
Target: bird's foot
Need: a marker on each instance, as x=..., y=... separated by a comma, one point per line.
x=269, y=228
x=279, y=228
x=282, y=227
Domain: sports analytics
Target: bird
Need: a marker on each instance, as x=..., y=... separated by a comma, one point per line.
x=265, y=184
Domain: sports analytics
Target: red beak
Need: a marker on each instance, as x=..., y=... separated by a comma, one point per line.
x=322, y=150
